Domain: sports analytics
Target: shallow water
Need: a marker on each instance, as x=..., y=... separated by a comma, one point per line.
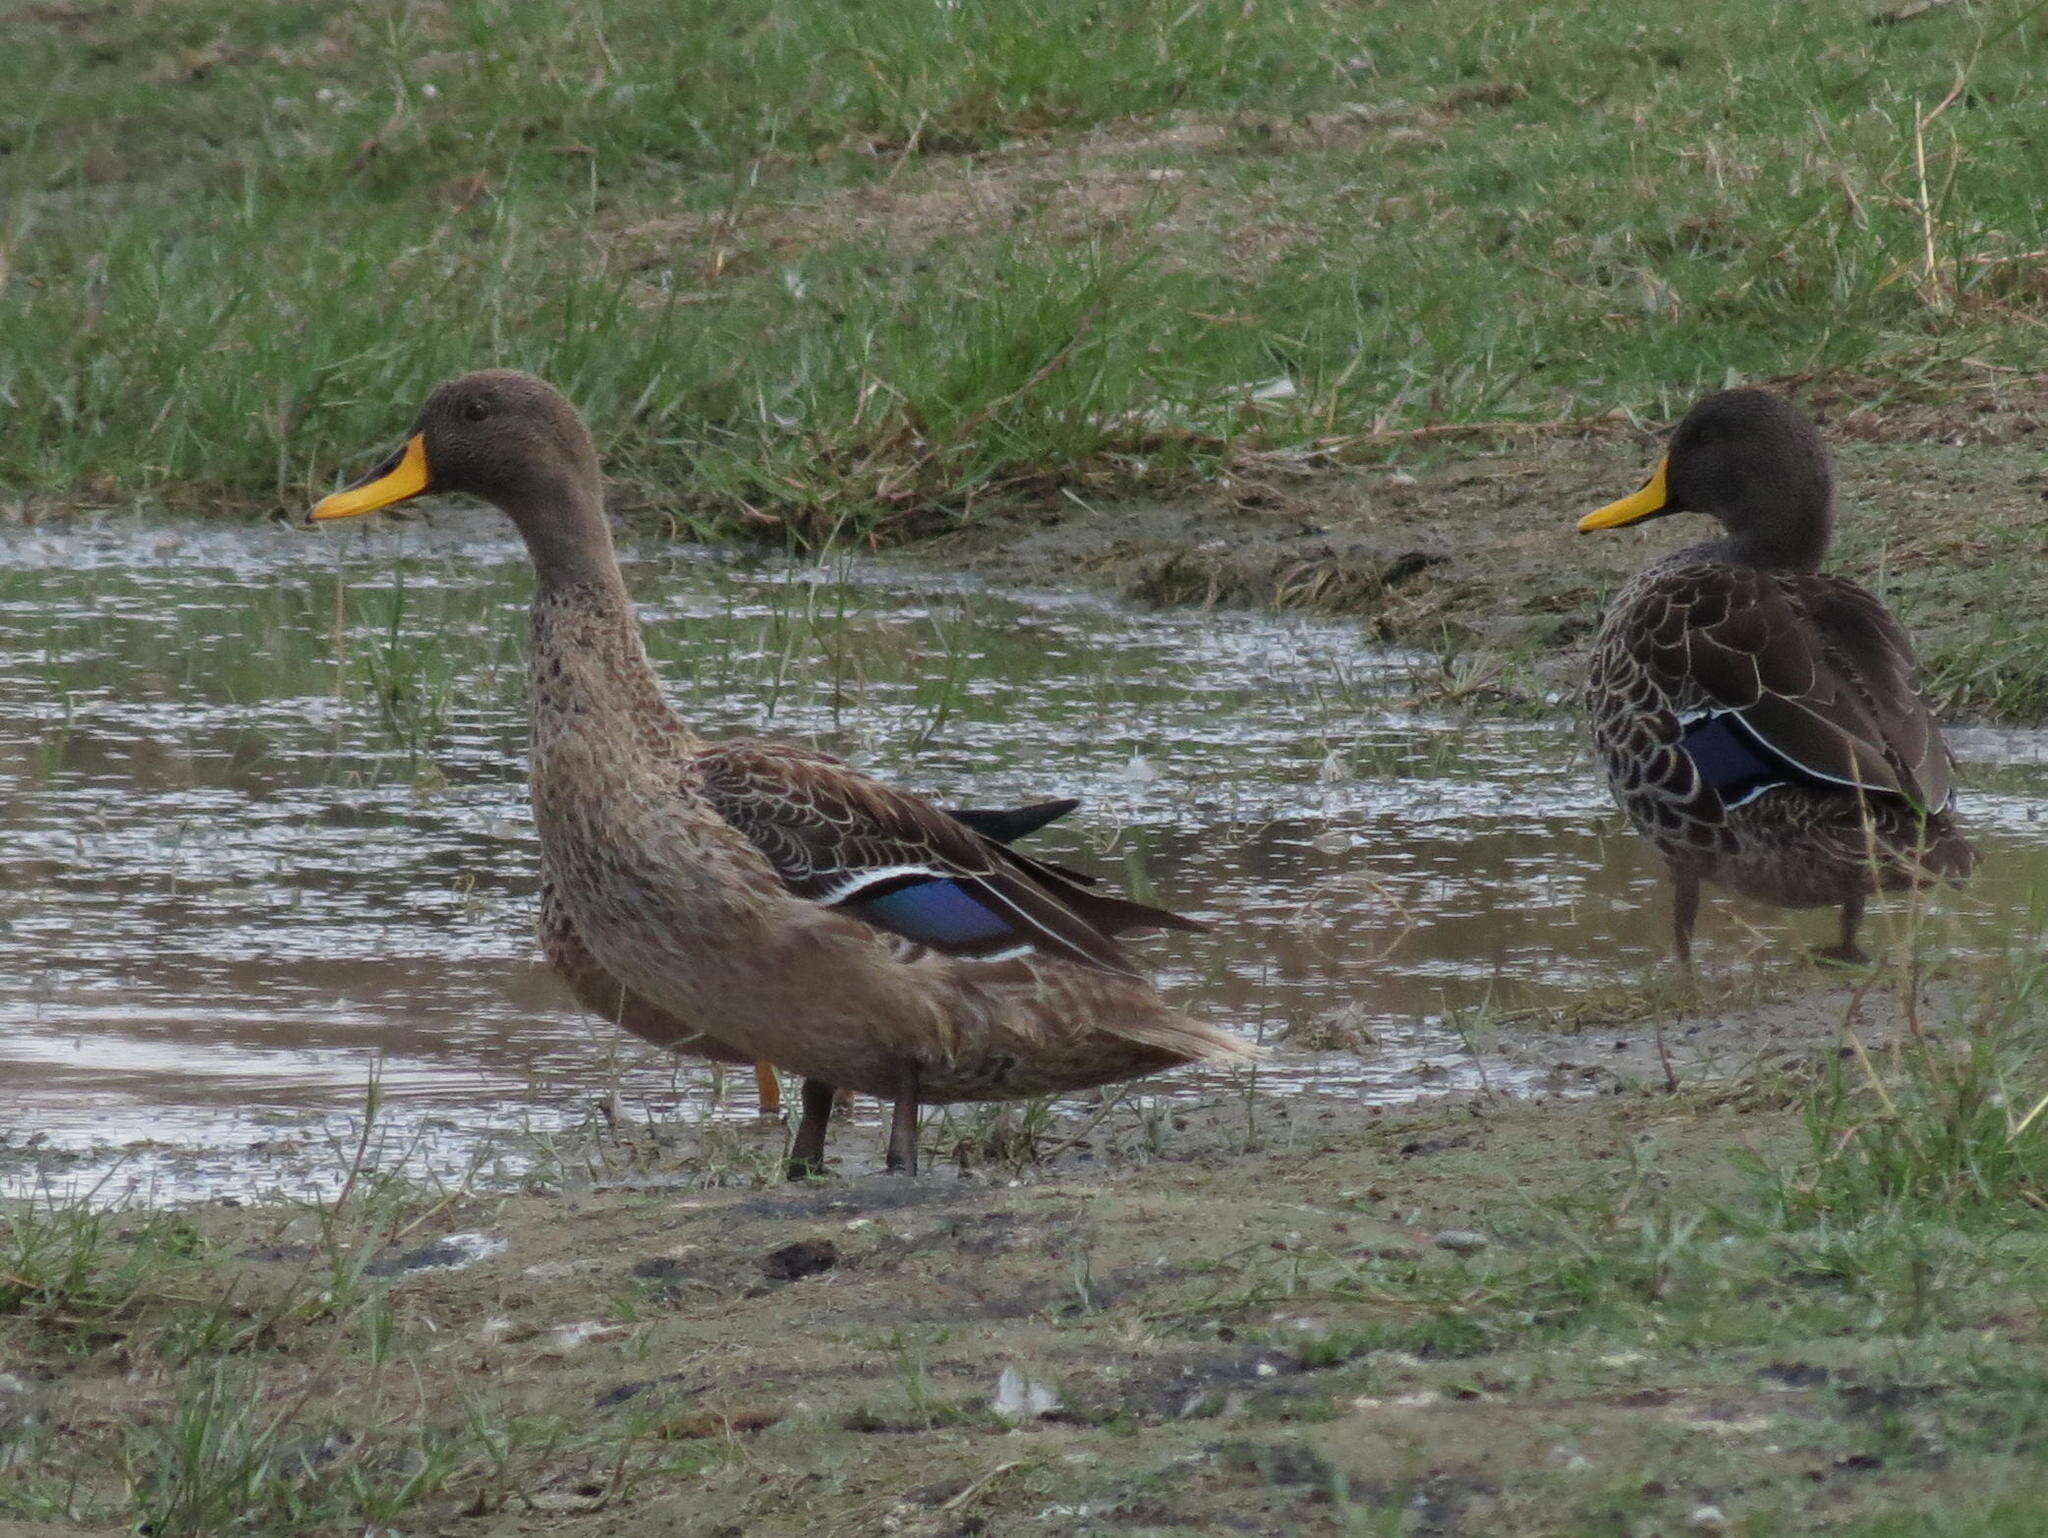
x=266, y=832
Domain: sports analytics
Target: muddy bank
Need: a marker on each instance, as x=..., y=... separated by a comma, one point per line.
x=1245, y=1312
x=1468, y=554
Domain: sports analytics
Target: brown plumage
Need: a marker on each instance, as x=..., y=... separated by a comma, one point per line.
x=759, y=901
x=604, y=995
x=1760, y=720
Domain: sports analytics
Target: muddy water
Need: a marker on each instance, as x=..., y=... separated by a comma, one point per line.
x=266, y=838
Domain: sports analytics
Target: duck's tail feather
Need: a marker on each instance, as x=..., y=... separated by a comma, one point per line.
x=1008, y=824
x=1947, y=855
x=1185, y=1037
x=1120, y=915
x=1109, y=915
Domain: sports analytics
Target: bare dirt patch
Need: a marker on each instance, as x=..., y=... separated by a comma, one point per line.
x=1475, y=547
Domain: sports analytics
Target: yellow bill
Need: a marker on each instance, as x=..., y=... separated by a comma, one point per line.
x=1651, y=499
x=403, y=475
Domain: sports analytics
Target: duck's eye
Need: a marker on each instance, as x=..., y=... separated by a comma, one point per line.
x=476, y=411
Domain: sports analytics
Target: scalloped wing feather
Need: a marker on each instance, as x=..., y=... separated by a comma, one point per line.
x=835, y=836
x=1814, y=666
x=1874, y=655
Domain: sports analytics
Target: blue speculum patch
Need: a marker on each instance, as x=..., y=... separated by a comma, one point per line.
x=938, y=913
x=1732, y=761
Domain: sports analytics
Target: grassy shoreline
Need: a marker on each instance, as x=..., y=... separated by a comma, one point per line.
x=838, y=275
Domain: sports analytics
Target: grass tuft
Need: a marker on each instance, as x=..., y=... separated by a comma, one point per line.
x=1949, y=1121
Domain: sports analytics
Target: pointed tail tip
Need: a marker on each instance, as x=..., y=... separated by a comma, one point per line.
x=1188, y=1039
x=1241, y=1051
x=1009, y=823
x=1215, y=1044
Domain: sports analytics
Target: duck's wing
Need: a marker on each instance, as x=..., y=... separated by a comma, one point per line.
x=845, y=841
x=1813, y=670
x=750, y=756
x=1872, y=653
x=1001, y=824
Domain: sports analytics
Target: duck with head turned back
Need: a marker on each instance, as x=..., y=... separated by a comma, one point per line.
x=1760, y=720
x=789, y=908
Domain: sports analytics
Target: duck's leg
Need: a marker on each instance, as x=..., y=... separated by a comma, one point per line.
x=1685, y=912
x=1847, y=951
x=807, y=1152
x=768, y=1089
x=903, y=1126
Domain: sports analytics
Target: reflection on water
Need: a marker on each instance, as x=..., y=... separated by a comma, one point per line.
x=266, y=827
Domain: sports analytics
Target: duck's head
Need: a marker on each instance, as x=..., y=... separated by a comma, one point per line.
x=509, y=438
x=1752, y=461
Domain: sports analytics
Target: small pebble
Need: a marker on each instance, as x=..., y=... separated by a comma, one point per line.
x=451, y=1253
x=1018, y=1399
x=1708, y=1519
x=563, y=1339
x=1462, y=1241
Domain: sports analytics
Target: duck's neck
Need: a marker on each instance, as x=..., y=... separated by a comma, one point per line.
x=1788, y=545
x=1786, y=525
x=560, y=515
x=588, y=664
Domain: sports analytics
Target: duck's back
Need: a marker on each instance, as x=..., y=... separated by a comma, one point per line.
x=1768, y=728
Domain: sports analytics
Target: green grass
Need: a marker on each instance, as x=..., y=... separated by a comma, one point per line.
x=74, y=1263
x=224, y=1460
x=2000, y=672
x=748, y=238
x=745, y=237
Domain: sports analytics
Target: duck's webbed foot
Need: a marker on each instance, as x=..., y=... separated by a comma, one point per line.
x=902, y=1157
x=807, y=1151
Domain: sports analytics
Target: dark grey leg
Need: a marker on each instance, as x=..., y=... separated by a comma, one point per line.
x=903, y=1127
x=807, y=1153
x=1685, y=912
x=1846, y=950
